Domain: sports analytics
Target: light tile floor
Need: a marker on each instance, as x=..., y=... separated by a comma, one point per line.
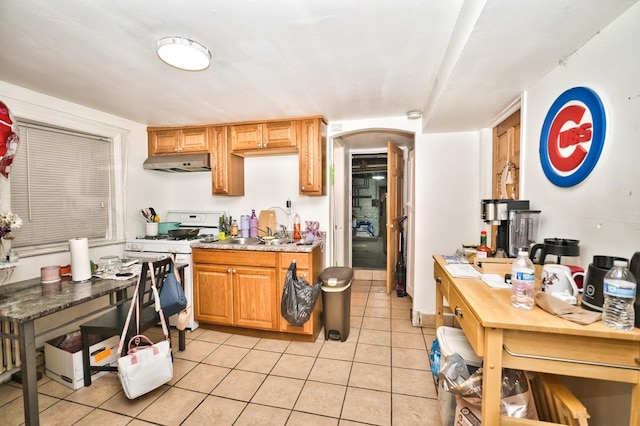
x=379, y=376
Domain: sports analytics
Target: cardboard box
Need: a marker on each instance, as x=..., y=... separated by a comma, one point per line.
x=66, y=367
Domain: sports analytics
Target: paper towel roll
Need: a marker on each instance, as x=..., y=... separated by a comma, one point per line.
x=80, y=263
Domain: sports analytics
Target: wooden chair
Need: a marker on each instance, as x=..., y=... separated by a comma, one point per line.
x=112, y=322
x=556, y=405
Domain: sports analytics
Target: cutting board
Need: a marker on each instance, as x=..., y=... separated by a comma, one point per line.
x=266, y=219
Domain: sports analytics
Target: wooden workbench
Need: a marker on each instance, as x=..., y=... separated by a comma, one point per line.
x=534, y=340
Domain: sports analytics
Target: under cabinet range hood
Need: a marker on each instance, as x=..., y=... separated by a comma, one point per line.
x=179, y=163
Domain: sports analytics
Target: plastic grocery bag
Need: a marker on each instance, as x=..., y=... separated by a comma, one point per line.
x=298, y=297
x=516, y=398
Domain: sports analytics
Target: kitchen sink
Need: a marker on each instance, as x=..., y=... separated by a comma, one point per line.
x=279, y=241
x=242, y=241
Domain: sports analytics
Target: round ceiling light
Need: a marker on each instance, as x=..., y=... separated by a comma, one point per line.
x=414, y=115
x=183, y=53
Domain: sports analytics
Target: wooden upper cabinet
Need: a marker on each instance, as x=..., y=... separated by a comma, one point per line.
x=227, y=169
x=265, y=138
x=506, y=158
x=312, y=152
x=178, y=141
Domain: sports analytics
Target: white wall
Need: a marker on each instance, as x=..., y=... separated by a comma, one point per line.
x=603, y=212
x=447, y=195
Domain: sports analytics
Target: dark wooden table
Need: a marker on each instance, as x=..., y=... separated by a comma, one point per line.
x=23, y=302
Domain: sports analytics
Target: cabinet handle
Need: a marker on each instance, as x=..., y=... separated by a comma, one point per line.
x=458, y=312
x=439, y=280
x=302, y=187
x=304, y=275
x=233, y=271
x=229, y=271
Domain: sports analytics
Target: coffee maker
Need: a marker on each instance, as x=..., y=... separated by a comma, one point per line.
x=517, y=225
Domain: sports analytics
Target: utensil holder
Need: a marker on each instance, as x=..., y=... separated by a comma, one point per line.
x=152, y=229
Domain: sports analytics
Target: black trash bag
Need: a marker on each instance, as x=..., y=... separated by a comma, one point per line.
x=298, y=297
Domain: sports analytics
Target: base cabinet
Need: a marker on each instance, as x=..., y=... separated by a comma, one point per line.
x=244, y=288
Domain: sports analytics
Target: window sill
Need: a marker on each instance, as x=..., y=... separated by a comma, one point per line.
x=25, y=252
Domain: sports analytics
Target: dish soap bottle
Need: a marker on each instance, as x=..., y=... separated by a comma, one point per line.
x=253, y=224
x=296, y=227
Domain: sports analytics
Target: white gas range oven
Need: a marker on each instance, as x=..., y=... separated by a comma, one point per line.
x=147, y=249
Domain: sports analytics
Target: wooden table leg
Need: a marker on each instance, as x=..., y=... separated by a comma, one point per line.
x=492, y=377
x=634, y=415
x=29, y=373
x=439, y=307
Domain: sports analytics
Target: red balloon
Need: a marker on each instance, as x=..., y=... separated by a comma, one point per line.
x=8, y=139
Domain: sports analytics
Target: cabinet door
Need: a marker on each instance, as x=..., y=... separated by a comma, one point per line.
x=164, y=142
x=305, y=269
x=283, y=324
x=312, y=160
x=255, y=296
x=227, y=171
x=194, y=140
x=279, y=135
x=213, y=294
x=245, y=136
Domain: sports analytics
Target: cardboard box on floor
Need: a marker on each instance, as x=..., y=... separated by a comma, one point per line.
x=66, y=367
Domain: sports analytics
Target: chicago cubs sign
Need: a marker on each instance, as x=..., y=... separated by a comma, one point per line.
x=572, y=137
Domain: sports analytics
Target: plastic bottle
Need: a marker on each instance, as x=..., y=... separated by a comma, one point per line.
x=619, y=289
x=234, y=228
x=244, y=225
x=522, y=276
x=296, y=227
x=483, y=250
x=221, y=230
x=253, y=224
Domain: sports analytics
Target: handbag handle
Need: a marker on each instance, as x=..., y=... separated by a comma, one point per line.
x=134, y=305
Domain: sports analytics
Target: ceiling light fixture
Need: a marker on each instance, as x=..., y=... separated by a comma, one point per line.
x=414, y=115
x=377, y=177
x=182, y=53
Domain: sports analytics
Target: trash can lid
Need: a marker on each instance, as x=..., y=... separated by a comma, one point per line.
x=336, y=276
x=453, y=340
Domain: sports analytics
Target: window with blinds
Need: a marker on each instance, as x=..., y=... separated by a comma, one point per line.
x=61, y=187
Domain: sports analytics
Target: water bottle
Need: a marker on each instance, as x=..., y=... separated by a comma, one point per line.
x=522, y=277
x=619, y=289
x=253, y=224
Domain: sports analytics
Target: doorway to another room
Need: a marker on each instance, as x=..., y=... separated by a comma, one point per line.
x=368, y=204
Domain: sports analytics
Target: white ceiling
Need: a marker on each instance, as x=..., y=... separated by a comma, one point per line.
x=461, y=62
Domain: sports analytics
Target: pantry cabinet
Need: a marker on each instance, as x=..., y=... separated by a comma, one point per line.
x=227, y=169
x=264, y=138
x=234, y=287
x=164, y=141
x=312, y=156
x=243, y=288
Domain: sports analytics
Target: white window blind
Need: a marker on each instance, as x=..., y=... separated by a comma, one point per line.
x=61, y=186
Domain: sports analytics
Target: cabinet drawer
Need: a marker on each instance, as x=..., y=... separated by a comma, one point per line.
x=235, y=257
x=467, y=320
x=302, y=260
x=442, y=283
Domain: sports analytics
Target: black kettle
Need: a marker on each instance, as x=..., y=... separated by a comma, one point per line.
x=554, y=246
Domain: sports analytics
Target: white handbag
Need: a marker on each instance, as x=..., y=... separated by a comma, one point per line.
x=144, y=368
